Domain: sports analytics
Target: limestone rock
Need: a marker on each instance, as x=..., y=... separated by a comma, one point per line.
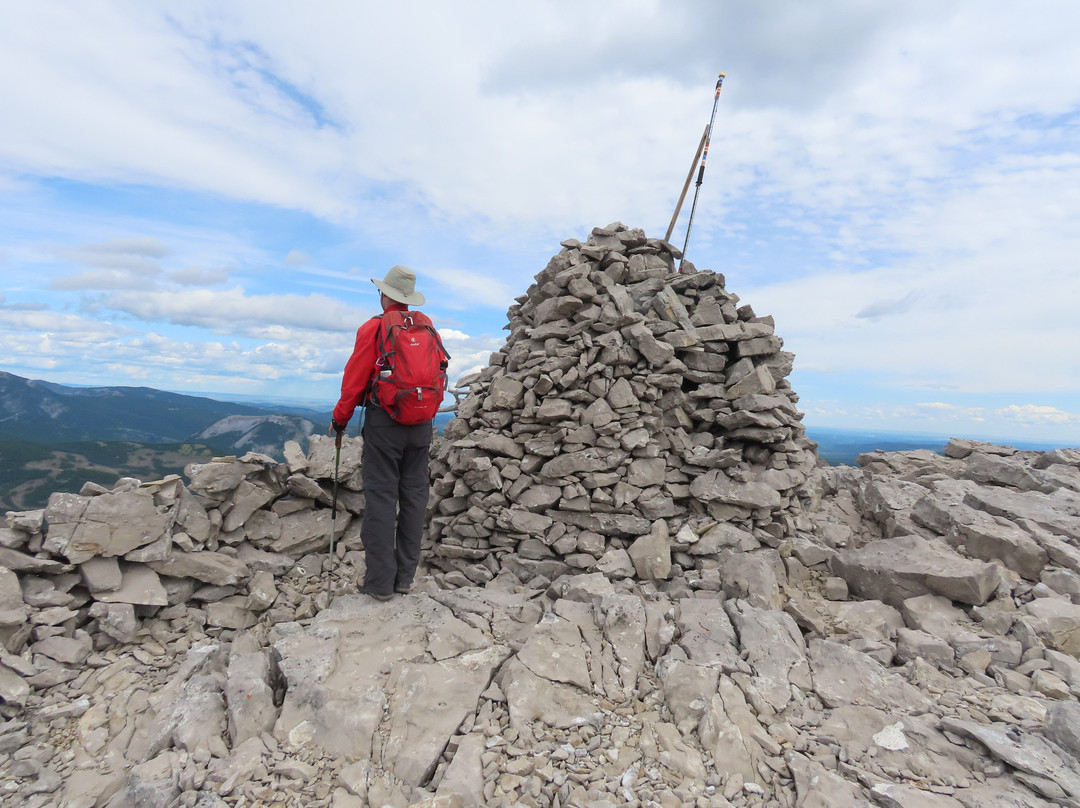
x=908, y=566
x=844, y=676
x=651, y=554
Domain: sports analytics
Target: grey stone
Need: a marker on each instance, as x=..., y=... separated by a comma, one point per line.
x=464, y=777
x=728, y=731
x=111, y=524
x=616, y=564
x=557, y=652
x=720, y=536
x=901, y=795
x=101, y=574
x=217, y=479
x=150, y=782
x=908, y=566
x=869, y=620
x=651, y=554
x=845, y=676
x=751, y=577
x=257, y=560
x=1051, y=512
x=294, y=457
x=67, y=650
x=336, y=677
x=301, y=486
x=818, y=787
x=245, y=499
x=117, y=620
x=984, y=536
x=229, y=615
x=249, y=697
x=189, y=714
x=1023, y=751
x=308, y=531
x=506, y=393
x=584, y=461
x=207, y=566
x=13, y=539
x=715, y=485
x=915, y=644
x=933, y=614
x=236, y=769
x=1056, y=622
x=985, y=468
x=1063, y=726
x=13, y=690
x=21, y=562
x=775, y=650
x=139, y=585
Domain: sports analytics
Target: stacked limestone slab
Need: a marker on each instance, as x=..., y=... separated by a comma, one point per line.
x=85, y=572
x=630, y=404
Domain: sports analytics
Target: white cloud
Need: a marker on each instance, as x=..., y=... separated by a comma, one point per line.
x=148, y=247
x=471, y=288
x=199, y=276
x=234, y=311
x=32, y=322
x=102, y=279
x=1036, y=414
x=297, y=258
x=533, y=121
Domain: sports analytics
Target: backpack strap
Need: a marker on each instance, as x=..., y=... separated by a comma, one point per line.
x=424, y=321
x=369, y=389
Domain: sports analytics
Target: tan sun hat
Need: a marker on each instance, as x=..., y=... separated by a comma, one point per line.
x=400, y=285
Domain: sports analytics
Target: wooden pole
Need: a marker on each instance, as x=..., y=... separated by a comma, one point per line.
x=686, y=185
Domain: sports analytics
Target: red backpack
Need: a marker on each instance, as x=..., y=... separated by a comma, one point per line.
x=410, y=373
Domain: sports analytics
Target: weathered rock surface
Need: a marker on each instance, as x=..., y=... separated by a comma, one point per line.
x=637, y=598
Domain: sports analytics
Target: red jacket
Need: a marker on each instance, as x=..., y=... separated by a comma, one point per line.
x=360, y=367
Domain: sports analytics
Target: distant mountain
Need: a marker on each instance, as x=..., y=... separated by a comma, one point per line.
x=257, y=433
x=52, y=413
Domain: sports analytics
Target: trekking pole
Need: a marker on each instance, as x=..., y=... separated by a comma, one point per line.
x=701, y=169
x=686, y=185
x=333, y=517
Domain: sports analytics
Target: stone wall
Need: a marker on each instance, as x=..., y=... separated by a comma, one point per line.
x=82, y=573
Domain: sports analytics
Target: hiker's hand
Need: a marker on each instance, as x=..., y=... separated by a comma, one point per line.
x=339, y=432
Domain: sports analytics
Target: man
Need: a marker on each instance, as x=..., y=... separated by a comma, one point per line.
x=395, y=456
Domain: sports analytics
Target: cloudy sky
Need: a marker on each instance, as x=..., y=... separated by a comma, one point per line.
x=194, y=196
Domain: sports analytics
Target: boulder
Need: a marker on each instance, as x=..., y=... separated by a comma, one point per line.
x=908, y=566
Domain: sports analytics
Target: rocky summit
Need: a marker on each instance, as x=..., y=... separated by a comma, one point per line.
x=639, y=588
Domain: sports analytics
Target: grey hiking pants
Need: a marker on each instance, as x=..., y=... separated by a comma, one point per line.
x=396, y=483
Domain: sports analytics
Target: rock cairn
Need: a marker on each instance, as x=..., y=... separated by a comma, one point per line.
x=634, y=412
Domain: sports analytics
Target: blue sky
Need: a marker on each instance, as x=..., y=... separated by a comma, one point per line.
x=195, y=196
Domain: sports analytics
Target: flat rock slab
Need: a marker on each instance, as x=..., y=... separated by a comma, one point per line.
x=843, y=675
x=390, y=682
x=775, y=649
x=1024, y=751
x=908, y=566
x=110, y=524
x=1057, y=622
x=1056, y=513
